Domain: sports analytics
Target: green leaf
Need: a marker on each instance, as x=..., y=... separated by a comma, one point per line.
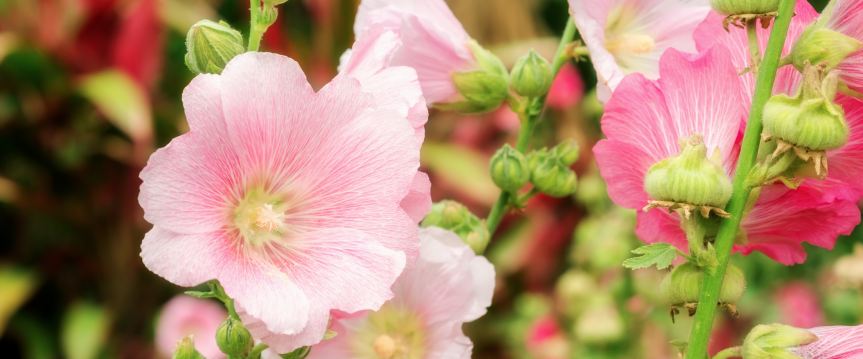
x=123, y=102
x=659, y=254
x=201, y=294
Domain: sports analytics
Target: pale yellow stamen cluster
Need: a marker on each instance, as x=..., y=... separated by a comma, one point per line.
x=269, y=220
x=632, y=43
x=385, y=346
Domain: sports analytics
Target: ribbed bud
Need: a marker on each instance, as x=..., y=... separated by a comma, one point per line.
x=817, y=44
x=484, y=89
x=567, y=152
x=810, y=119
x=744, y=7
x=453, y=216
x=550, y=174
x=683, y=285
x=689, y=177
x=210, y=46
x=232, y=337
x=532, y=75
x=772, y=341
x=186, y=349
x=509, y=169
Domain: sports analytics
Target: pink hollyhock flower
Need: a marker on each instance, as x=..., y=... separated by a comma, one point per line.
x=449, y=286
x=834, y=343
x=567, y=89
x=183, y=316
x=628, y=36
x=700, y=93
x=799, y=305
x=845, y=165
x=297, y=202
x=433, y=41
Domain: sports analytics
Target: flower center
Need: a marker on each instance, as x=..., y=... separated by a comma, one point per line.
x=390, y=333
x=631, y=43
x=260, y=218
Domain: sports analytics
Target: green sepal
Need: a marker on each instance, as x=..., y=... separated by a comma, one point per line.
x=198, y=294
x=300, y=353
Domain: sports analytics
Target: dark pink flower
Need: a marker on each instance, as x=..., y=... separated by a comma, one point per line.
x=834, y=343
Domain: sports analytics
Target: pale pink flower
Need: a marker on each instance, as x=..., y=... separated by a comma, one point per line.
x=434, y=43
x=846, y=18
x=184, y=315
x=567, y=89
x=291, y=199
x=700, y=93
x=629, y=36
x=449, y=286
x=845, y=164
x=834, y=343
x=799, y=305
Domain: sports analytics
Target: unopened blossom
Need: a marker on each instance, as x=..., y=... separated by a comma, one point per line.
x=846, y=17
x=629, y=36
x=297, y=202
x=449, y=286
x=837, y=342
x=434, y=43
x=700, y=93
x=845, y=176
x=184, y=315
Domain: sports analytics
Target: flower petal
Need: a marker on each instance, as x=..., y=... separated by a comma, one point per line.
x=623, y=166
x=184, y=259
x=417, y=204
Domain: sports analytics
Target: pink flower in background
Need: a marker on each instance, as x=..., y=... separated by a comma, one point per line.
x=449, y=286
x=700, y=93
x=433, y=41
x=799, y=305
x=183, y=316
x=628, y=36
x=567, y=89
x=846, y=18
x=845, y=166
x=834, y=343
x=291, y=199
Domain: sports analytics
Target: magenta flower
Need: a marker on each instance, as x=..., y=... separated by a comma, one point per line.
x=845, y=164
x=434, y=43
x=290, y=198
x=567, y=89
x=449, y=286
x=701, y=94
x=183, y=316
x=834, y=343
x=628, y=36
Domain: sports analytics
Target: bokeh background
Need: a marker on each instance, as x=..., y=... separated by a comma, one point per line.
x=90, y=88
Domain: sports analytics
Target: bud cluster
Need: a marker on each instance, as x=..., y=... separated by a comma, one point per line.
x=550, y=172
x=454, y=216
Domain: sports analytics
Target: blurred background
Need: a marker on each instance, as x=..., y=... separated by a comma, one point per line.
x=90, y=88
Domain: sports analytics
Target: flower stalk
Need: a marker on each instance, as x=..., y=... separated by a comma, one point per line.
x=700, y=334
x=530, y=115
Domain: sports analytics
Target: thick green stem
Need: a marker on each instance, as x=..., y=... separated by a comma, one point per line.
x=709, y=299
x=530, y=117
x=257, y=350
x=257, y=27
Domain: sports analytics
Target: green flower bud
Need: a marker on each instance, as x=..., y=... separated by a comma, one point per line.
x=689, y=177
x=817, y=44
x=741, y=7
x=487, y=61
x=232, y=337
x=810, y=119
x=210, y=46
x=186, y=349
x=483, y=90
x=683, y=285
x=567, y=152
x=454, y=216
x=772, y=341
x=532, y=75
x=554, y=179
x=509, y=169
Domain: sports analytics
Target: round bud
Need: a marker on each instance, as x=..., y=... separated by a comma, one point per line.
x=532, y=75
x=509, y=169
x=210, y=46
x=689, y=177
x=742, y=7
x=818, y=43
x=810, y=119
x=554, y=179
x=232, y=337
x=567, y=152
x=483, y=89
x=683, y=285
x=454, y=216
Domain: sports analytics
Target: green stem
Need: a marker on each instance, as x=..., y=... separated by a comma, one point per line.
x=231, y=311
x=257, y=350
x=684, y=255
x=531, y=117
x=785, y=61
x=528, y=195
x=256, y=27
x=754, y=50
x=707, y=303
